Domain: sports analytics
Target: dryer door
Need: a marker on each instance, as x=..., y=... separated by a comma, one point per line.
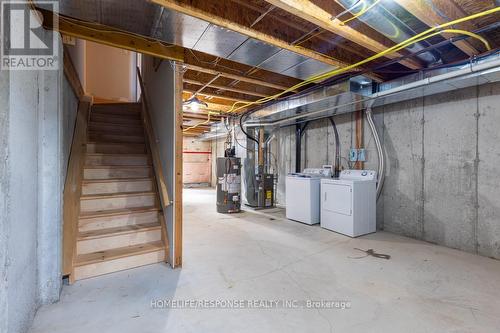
x=337, y=198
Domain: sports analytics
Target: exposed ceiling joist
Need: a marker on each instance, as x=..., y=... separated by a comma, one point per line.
x=194, y=132
x=236, y=77
x=110, y=36
x=123, y=39
x=214, y=93
x=224, y=97
x=300, y=27
x=226, y=88
x=429, y=14
x=187, y=9
x=213, y=106
x=192, y=115
x=310, y=12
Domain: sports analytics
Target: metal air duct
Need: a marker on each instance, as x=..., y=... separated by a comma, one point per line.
x=381, y=18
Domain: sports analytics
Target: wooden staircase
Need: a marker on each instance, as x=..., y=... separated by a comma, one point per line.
x=119, y=211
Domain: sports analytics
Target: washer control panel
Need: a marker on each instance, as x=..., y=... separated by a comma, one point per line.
x=369, y=175
x=319, y=172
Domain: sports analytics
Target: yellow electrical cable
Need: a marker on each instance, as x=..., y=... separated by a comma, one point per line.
x=419, y=37
x=203, y=123
x=453, y=31
x=361, y=12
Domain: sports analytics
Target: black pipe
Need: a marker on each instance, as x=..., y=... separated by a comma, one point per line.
x=336, y=166
x=299, y=132
x=243, y=130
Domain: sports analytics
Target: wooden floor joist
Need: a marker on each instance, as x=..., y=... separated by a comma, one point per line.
x=310, y=12
x=111, y=36
x=226, y=88
x=235, y=76
x=186, y=8
x=190, y=89
x=430, y=15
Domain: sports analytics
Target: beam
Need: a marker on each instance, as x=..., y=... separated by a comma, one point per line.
x=210, y=96
x=226, y=88
x=190, y=10
x=310, y=12
x=190, y=89
x=212, y=106
x=126, y=40
x=235, y=77
x=429, y=14
x=200, y=116
x=111, y=36
x=193, y=133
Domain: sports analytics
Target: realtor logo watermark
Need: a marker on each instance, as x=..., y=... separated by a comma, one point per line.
x=26, y=45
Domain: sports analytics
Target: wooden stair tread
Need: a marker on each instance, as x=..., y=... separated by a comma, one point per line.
x=122, y=252
x=117, y=175
x=116, y=104
x=118, y=113
x=116, y=180
x=116, y=195
x=109, y=232
x=100, y=132
x=117, y=142
x=103, y=166
x=92, y=142
x=93, y=122
x=115, y=212
x=118, y=155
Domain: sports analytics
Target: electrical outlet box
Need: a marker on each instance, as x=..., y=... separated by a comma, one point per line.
x=353, y=155
x=357, y=155
x=362, y=155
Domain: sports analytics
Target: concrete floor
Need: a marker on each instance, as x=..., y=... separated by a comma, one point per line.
x=263, y=256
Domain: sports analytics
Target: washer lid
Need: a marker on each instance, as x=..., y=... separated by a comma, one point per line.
x=303, y=175
x=367, y=175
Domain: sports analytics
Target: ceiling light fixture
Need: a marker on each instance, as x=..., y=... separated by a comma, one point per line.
x=193, y=103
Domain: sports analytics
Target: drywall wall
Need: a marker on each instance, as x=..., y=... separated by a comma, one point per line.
x=159, y=84
x=442, y=164
x=110, y=72
x=77, y=53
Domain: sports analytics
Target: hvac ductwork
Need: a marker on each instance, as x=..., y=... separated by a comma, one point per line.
x=381, y=18
x=349, y=97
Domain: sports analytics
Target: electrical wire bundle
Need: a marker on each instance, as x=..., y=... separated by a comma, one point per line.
x=440, y=29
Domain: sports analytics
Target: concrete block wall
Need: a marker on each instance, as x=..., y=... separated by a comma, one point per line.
x=442, y=165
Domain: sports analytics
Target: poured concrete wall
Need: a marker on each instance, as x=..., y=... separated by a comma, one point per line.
x=36, y=127
x=4, y=197
x=441, y=184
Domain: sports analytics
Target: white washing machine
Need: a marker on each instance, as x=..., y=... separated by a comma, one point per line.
x=302, y=195
x=348, y=204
